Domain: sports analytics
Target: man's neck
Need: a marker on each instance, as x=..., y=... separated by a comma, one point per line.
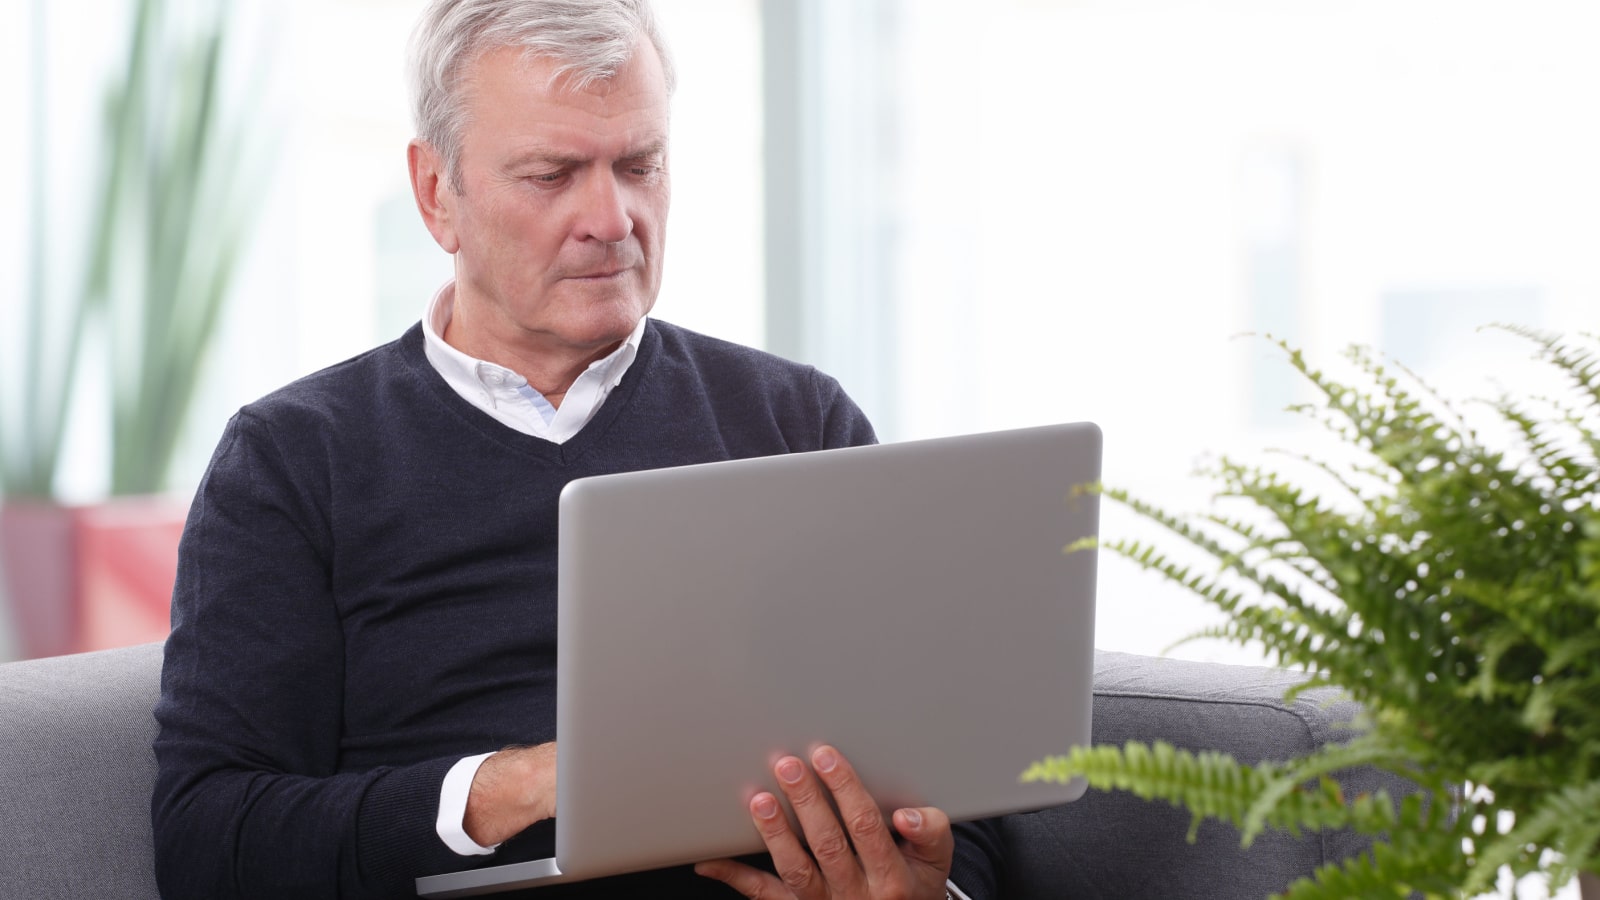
x=550, y=373
x=550, y=368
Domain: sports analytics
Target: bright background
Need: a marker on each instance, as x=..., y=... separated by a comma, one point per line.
x=978, y=216
x=1046, y=210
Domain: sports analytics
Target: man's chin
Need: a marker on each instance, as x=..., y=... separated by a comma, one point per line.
x=591, y=314
x=602, y=328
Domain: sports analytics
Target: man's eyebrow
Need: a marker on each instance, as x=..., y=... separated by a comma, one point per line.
x=549, y=157
x=653, y=149
x=543, y=156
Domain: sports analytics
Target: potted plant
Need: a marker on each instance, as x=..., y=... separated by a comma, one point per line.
x=1453, y=589
x=169, y=220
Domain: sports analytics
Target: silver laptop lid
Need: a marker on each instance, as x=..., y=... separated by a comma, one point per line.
x=909, y=603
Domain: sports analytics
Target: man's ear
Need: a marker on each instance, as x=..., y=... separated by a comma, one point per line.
x=435, y=197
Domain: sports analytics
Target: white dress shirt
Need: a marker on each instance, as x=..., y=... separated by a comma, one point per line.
x=506, y=396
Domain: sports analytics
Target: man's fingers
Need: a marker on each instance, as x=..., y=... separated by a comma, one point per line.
x=752, y=883
x=927, y=836
x=844, y=852
x=789, y=857
x=863, y=820
x=823, y=834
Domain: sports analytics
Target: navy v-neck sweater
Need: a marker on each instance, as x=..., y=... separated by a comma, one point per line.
x=366, y=595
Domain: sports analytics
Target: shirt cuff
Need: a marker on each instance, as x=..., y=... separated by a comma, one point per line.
x=451, y=824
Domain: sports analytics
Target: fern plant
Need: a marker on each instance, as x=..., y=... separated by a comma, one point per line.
x=1450, y=587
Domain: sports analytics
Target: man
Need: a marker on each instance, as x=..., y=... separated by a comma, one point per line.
x=359, y=685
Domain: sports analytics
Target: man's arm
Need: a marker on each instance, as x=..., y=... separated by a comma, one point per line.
x=249, y=799
x=512, y=790
x=843, y=423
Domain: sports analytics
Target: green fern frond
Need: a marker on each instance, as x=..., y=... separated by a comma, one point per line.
x=1330, y=758
x=1172, y=523
x=1571, y=812
x=1209, y=784
x=1230, y=559
x=1214, y=785
x=1208, y=587
x=1092, y=542
x=1428, y=863
x=1581, y=366
x=1567, y=474
x=1571, y=651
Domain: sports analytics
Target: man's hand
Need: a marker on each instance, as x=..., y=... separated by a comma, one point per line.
x=513, y=789
x=852, y=853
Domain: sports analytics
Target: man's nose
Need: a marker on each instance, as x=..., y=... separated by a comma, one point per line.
x=604, y=216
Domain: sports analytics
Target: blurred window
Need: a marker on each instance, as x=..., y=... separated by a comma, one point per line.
x=1070, y=209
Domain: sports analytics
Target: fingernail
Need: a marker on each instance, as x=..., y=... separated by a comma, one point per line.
x=790, y=770
x=913, y=819
x=825, y=759
x=765, y=806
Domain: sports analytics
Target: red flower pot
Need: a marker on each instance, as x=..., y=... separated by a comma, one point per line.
x=90, y=577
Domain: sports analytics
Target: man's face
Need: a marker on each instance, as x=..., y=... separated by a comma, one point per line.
x=559, y=225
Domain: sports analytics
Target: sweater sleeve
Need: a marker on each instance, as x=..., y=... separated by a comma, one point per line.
x=249, y=800
x=978, y=868
x=843, y=422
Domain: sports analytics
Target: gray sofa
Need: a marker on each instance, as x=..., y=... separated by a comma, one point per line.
x=76, y=772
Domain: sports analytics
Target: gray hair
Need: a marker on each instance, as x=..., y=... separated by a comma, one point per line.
x=589, y=40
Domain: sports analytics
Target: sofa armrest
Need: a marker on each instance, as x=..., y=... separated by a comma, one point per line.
x=76, y=775
x=1115, y=845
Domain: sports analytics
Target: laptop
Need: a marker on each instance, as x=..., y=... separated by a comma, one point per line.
x=909, y=603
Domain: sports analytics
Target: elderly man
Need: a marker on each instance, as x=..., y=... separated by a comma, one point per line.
x=359, y=685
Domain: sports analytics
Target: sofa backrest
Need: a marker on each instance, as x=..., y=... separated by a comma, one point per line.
x=76, y=772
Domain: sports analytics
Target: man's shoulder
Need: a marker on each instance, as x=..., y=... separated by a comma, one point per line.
x=751, y=393
x=718, y=359
x=338, y=391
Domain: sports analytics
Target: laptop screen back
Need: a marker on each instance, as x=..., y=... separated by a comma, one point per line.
x=909, y=603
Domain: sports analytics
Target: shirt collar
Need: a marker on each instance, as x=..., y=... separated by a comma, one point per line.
x=478, y=380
